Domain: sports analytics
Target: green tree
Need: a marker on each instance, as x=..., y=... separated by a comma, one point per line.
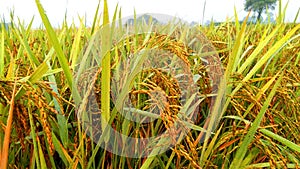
x=259, y=6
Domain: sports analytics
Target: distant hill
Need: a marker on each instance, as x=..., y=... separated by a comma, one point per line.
x=145, y=18
x=156, y=18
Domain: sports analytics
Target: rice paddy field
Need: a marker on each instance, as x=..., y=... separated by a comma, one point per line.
x=215, y=96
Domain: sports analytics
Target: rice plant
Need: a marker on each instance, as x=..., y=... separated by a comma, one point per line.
x=217, y=96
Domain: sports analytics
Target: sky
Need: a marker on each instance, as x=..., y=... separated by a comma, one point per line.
x=189, y=10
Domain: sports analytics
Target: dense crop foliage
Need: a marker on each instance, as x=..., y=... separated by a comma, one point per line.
x=40, y=127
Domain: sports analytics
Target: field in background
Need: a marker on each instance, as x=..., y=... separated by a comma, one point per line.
x=39, y=127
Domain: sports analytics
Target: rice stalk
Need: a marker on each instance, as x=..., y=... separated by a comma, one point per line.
x=4, y=150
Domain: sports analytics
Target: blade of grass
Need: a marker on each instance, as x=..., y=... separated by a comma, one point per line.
x=76, y=46
x=34, y=138
x=270, y=53
x=214, y=118
x=252, y=154
x=2, y=52
x=232, y=59
x=296, y=17
x=53, y=39
x=95, y=18
x=105, y=81
x=260, y=94
x=61, y=119
x=237, y=22
x=241, y=152
x=22, y=37
x=29, y=27
x=41, y=155
x=283, y=140
x=62, y=152
x=210, y=148
x=277, y=137
x=262, y=44
x=11, y=68
x=236, y=51
x=279, y=19
x=268, y=165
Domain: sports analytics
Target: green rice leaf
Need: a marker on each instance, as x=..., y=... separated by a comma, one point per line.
x=41, y=155
x=241, y=152
x=24, y=41
x=56, y=45
x=76, y=46
x=105, y=81
x=61, y=119
x=95, y=18
x=2, y=53
x=275, y=48
x=34, y=140
x=61, y=150
x=258, y=50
